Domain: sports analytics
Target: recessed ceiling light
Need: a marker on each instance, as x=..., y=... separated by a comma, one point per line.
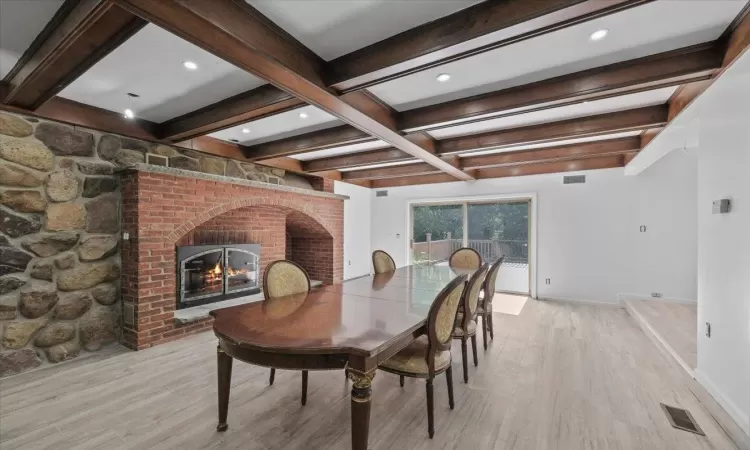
x=443, y=77
x=598, y=35
x=129, y=114
x=190, y=65
x=246, y=130
x=303, y=115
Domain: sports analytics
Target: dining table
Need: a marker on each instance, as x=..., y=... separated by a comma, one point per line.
x=353, y=325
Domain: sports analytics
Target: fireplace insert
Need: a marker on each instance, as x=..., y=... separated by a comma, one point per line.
x=211, y=273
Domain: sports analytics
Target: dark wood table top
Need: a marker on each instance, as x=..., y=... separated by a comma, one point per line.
x=361, y=316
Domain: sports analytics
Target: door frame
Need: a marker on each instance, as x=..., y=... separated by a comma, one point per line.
x=499, y=198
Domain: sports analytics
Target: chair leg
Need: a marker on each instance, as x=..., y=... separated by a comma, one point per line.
x=449, y=381
x=304, y=387
x=273, y=375
x=484, y=331
x=492, y=326
x=465, y=360
x=474, y=349
x=430, y=411
x=401, y=380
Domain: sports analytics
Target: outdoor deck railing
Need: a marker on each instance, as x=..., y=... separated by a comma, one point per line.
x=515, y=251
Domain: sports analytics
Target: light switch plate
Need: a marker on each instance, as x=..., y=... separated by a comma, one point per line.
x=722, y=206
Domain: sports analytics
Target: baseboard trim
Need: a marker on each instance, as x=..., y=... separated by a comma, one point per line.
x=740, y=421
x=583, y=302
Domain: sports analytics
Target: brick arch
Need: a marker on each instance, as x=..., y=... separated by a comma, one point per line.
x=294, y=208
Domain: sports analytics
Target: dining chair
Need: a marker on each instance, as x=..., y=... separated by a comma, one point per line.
x=282, y=278
x=465, y=258
x=382, y=262
x=466, y=323
x=429, y=355
x=484, y=310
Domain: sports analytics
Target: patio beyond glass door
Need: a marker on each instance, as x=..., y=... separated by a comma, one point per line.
x=502, y=229
x=492, y=228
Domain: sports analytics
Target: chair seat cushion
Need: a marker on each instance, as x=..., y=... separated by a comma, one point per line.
x=413, y=358
x=459, y=332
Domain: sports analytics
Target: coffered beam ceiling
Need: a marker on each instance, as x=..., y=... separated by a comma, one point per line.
x=517, y=158
x=596, y=125
x=426, y=46
x=79, y=35
x=237, y=33
x=672, y=68
x=599, y=162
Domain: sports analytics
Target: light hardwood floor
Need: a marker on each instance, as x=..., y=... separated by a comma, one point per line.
x=558, y=376
x=675, y=323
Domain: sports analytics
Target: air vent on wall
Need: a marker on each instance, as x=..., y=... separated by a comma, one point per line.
x=574, y=179
x=157, y=160
x=381, y=193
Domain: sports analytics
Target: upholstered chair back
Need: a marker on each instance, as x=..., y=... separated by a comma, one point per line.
x=283, y=278
x=489, y=283
x=442, y=315
x=471, y=294
x=465, y=258
x=382, y=262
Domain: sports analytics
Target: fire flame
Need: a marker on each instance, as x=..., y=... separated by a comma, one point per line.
x=214, y=275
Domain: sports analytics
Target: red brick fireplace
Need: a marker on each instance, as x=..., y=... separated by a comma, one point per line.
x=163, y=210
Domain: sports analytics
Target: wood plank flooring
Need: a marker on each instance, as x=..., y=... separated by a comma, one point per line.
x=675, y=323
x=557, y=376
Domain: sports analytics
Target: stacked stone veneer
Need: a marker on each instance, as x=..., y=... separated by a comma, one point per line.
x=60, y=224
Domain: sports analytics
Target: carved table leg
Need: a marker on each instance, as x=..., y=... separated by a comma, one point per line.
x=224, y=369
x=361, y=397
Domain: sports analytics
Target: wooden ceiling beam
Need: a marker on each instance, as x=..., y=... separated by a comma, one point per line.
x=440, y=41
x=599, y=162
x=255, y=104
x=356, y=160
x=547, y=154
x=598, y=125
x=308, y=142
x=237, y=33
x=80, y=34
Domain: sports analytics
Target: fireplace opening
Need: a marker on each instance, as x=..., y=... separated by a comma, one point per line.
x=212, y=273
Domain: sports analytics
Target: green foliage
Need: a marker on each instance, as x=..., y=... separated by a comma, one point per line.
x=502, y=221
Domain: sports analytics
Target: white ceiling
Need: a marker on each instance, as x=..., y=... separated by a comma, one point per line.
x=20, y=22
x=279, y=126
x=607, y=105
x=150, y=64
x=652, y=28
x=332, y=28
x=379, y=166
x=515, y=148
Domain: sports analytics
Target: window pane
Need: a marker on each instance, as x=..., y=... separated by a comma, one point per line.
x=497, y=229
x=437, y=230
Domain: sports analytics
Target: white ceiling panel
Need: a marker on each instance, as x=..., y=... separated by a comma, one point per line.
x=279, y=126
x=343, y=150
x=332, y=28
x=652, y=28
x=516, y=148
x=150, y=64
x=20, y=22
x=607, y=105
x=379, y=166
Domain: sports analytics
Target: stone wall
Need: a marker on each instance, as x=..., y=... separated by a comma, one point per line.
x=60, y=224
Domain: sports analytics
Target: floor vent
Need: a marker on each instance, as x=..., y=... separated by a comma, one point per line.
x=681, y=419
x=574, y=179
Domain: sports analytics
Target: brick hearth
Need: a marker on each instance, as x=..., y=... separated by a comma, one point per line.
x=163, y=210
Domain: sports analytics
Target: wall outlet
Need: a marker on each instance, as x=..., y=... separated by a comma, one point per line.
x=350, y=262
x=547, y=281
x=643, y=228
x=656, y=294
x=708, y=329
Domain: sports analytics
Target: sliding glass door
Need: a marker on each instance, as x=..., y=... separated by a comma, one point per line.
x=492, y=228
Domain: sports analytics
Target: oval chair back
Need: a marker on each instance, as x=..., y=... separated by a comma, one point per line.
x=441, y=318
x=471, y=296
x=465, y=258
x=489, y=283
x=382, y=262
x=284, y=277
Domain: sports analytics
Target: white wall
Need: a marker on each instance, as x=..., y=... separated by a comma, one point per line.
x=357, y=221
x=588, y=237
x=722, y=119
